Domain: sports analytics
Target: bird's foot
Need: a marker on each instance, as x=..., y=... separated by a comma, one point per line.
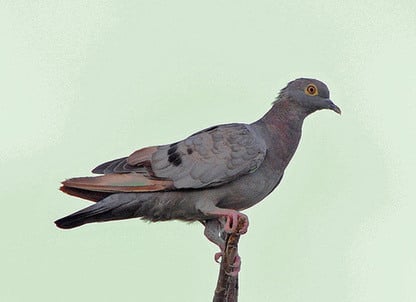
x=232, y=218
x=235, y=267
x=214, y=231
x=217, y=256
x=231, y=224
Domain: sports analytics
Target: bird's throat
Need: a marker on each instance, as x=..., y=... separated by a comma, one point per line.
x=284, y=129
x=284, y=117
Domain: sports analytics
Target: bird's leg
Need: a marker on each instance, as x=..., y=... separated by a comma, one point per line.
x=214, y=231
x=232, y=218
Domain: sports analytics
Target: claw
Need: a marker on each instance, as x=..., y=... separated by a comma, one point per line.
x=235, y=267
x=217, y=256
x=232, y=222
x=215, y=230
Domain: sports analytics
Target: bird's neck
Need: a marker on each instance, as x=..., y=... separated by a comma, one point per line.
x=283, y=127
x=284, y=117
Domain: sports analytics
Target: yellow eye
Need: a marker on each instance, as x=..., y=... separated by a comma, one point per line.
x=311, y=90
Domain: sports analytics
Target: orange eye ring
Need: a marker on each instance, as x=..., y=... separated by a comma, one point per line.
x=311, y=89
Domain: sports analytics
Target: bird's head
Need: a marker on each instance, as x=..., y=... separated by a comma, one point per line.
x=308, y=95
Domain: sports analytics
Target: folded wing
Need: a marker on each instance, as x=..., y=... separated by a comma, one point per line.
x=208, y=158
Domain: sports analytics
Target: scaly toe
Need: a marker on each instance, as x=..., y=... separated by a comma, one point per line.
x=244, y=229
x=235, y=267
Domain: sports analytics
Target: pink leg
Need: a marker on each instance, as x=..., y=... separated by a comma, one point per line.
x=232, y=218
x=226, y=222
x=214, y=231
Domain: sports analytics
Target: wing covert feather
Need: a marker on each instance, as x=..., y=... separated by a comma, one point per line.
x=211, y=157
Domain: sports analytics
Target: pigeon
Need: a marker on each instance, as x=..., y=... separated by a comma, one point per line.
x=209, y=176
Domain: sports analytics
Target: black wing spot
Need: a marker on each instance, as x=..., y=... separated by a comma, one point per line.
x=172, y=149
x=189, y=150
x=175, y=159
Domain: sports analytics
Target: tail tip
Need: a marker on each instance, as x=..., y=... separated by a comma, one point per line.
x=66, y=224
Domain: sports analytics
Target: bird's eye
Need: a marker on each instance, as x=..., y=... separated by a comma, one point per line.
x=311, y=90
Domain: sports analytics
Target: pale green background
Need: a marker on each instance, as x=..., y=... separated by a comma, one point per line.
x=82, y=82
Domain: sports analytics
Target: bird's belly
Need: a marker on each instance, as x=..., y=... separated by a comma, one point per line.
x=249, y=190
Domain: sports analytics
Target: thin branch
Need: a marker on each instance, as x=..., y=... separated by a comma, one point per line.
x=227, y=284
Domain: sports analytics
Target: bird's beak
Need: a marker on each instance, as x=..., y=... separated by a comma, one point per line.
x=333, y=107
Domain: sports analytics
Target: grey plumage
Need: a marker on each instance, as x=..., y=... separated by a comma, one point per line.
x=208, y=175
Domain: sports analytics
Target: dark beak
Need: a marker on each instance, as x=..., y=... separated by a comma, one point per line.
x=333, y=107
